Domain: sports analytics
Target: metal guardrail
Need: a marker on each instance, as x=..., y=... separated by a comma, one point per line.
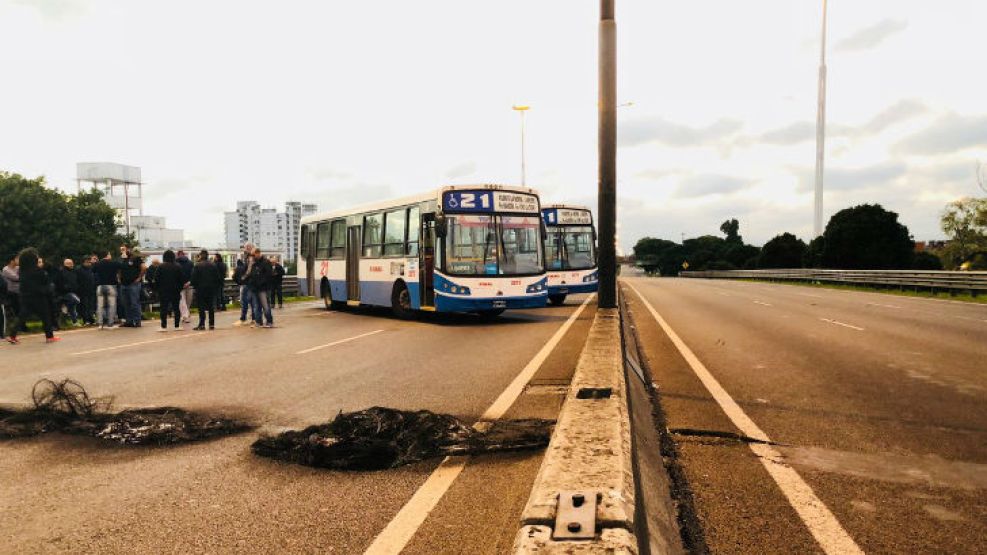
x=289, y=284
x=920, y=279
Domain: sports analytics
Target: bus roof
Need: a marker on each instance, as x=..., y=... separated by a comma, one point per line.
x=434, y=194
x=567, y=207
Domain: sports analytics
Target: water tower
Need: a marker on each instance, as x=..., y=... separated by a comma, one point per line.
x=118, y=183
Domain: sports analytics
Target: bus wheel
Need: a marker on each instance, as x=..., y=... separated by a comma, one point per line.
x=557, y=300
x=401, y=302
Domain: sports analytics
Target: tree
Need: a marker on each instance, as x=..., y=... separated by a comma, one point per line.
x=965, y=223
x=813, y=253
x=784, y=251
x=926, y=260
x=731, y=228
x=658, y=255
x=56, y=224
x=866, y=237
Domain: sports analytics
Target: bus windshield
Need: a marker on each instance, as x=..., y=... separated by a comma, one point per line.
x=570, y=248
x=493, y=245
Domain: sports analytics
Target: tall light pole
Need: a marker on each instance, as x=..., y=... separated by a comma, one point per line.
x=607, y=193
x=521, y=109
x=817, y=227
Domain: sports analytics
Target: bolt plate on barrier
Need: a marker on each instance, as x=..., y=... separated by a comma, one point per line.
x=575, y=516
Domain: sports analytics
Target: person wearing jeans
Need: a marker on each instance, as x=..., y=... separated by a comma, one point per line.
x=259, y=283
x=107, y=272
x=131, y=274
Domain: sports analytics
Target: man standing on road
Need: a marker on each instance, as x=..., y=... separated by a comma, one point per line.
x=185, y=304
x=11, y=275
x=67, y=289
x=221, y=270
x=277, y=282
x=243, y=269
x=87, y=290
x=131, y=274
x=259, y=282
x=169, y=281
x=35, y=297
x=205, y=279
x=107, y=273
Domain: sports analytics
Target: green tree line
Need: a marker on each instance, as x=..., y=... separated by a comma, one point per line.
x=59, y=225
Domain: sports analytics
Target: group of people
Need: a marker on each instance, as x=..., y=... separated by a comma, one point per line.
x=104, y=290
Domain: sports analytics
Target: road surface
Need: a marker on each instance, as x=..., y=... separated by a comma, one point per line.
x=877, y=402
x=74, y=494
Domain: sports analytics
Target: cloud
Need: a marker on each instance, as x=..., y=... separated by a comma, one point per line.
x=950, y=133
x=708, y=184
x=327, y=174
x=790, y=134
x=461, y=170
x=848, y=179
x=645, y=130
x=870, y=37
x=655, y=174
x=896, y=113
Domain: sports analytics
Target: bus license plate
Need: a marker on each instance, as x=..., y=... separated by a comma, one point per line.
x=500, y=304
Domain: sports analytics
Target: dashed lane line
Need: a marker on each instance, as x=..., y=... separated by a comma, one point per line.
x=337, y=342
x=844, y=324
x=137, y=344
x=820, y=521
x=396, y=535
x=762, y=303
x=883, y=305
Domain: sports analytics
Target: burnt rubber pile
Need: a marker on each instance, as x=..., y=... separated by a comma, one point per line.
x=66, y=407
x=379, y=438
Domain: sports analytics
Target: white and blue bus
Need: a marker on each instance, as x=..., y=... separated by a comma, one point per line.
x=570, y=251
x=458, y=249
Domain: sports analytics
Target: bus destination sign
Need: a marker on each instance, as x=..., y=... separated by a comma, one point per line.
x=567, y=216
x=489, y=201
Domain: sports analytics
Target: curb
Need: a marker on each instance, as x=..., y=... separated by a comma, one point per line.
x=590, y=452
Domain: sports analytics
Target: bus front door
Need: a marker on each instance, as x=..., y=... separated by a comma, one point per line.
x=353, y=263
x=426, y=276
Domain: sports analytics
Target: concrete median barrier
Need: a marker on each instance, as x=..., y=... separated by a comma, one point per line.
x=590, y=453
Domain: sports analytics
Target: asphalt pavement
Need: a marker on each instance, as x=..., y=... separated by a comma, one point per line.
x=877, y=402
x=64, y=493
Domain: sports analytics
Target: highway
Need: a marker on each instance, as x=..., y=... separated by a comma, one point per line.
x=878, y=403
x=64, y=493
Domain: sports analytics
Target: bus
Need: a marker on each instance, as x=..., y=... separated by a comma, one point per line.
x=570, y=251
x=477, y=249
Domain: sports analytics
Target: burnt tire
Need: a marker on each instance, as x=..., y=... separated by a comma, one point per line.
x=557, y=300
x=401, y=302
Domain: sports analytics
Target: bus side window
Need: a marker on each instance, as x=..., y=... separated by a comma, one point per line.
x=338, y=239
x=372, y=235
x=322, y=240
x=395, y=229
x=414, y=230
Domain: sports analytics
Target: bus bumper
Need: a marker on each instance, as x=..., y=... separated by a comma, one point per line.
x=445, y=303
x=574, y=288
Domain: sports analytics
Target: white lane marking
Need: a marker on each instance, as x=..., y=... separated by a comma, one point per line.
x=820, y=521
x=337, y=342
x=883, y=305
x=396, y=535
x=844, y=324
x=810, y=295
x=138, y=343
x=762, y=303
x=724, y=294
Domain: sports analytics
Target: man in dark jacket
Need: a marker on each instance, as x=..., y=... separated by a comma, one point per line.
x=185, y=305
x=205, y=279
x=169, y=281
x=277, y=283
x=87, y=290
x=131, y=275
x=221, y=270
x=107, y=273
x=259, y=281
x=36, y=294
x=67, y=288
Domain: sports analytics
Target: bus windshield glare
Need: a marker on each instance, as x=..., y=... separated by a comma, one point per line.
x=570, y=248
x=493, y=245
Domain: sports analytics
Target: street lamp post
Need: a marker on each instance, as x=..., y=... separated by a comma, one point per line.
x=521, y=109
x=817, y=223
x=607, y=193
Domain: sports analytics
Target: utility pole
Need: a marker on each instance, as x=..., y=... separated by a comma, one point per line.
x=521, y=109
x=817, y=228
x=607, y=194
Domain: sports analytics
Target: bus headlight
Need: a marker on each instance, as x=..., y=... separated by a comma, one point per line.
x=591, y=277
x=537, y=287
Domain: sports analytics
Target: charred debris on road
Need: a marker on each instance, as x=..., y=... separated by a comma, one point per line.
x=65, y=406
x=379, y=438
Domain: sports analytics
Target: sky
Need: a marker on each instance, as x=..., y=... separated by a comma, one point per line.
x=342, y=103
